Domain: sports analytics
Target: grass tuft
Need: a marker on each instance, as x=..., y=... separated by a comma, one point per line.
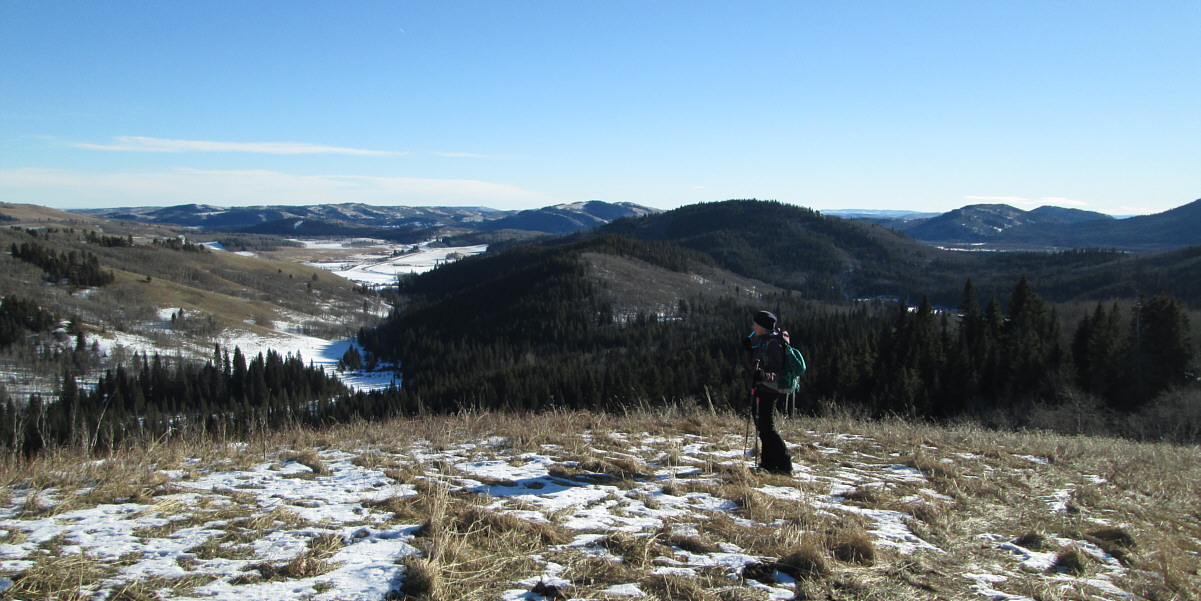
x=806, y=563
x=1069, y=561
x=1031, y=540
x=1114, y=541
x=637, y=551
x=676, y=588
x=422, y=579
x=853, y=546
x=310, y=459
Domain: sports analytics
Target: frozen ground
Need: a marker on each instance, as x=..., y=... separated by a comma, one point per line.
x=195, y=539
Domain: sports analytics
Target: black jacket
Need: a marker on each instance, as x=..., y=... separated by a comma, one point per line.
x=764, y=356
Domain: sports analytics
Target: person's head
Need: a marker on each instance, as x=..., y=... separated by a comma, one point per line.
x=764, y=322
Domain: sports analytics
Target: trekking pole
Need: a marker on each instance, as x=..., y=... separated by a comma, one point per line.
x=746, y=439
x=755, y=443
x=751, y=414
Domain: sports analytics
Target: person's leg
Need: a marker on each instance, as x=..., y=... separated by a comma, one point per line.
x=775, y=453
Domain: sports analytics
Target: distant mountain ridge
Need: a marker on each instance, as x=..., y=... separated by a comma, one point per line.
x=978, y=227
x=1003, y=227
x=362, y=219
x=983, y=222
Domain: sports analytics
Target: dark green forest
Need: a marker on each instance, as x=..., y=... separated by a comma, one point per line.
x=153, y=397
x=531, y=331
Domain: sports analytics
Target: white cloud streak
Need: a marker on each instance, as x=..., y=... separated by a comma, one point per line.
x=470, y=155
x=146, y=144
x=73, y=189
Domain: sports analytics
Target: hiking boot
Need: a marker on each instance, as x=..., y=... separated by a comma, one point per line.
x=777, y=470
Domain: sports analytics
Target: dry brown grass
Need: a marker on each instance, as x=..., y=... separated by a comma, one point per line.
x=590, y=572
x=807, y=562
x=637, y=551
x=673, y=587
x=310, y=459
x=853, y=545
x=422, y=579
x=71, y=577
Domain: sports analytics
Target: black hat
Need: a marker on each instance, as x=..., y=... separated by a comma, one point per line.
x=766, y=319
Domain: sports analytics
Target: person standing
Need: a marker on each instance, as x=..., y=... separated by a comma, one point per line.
x=765, y=362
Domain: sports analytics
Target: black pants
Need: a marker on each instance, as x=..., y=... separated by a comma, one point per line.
x=775, y=457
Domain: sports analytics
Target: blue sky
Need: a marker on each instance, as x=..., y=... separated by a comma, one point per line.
x=918, y=105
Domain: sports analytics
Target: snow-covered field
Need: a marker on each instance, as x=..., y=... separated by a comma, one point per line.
x=237, y=529
x=381, y=265
x=284, y=340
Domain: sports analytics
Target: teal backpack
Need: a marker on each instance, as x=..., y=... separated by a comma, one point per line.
x=794, y=367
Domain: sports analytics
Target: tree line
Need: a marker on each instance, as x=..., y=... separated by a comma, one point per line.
x=156, y=397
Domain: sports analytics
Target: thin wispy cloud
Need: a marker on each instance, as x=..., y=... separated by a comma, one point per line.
x=470, y=155
x=148, y=144
x=1022, y=201
x=74, y=189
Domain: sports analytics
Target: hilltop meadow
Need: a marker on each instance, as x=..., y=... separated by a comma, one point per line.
x=579, y=505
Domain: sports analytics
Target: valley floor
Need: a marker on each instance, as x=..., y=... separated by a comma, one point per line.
x=591, y=506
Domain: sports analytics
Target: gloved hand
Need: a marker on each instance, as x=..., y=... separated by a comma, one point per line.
x=747, y=343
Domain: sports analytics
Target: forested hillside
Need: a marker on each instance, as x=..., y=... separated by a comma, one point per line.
x=833, y=259
x=534, y=327
x=74, y=291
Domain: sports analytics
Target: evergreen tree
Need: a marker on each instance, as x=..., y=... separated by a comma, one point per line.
x=1031, y=347
x=1097, y=352
x=1159, y=351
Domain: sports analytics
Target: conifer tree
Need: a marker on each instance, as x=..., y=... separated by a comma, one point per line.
x=1159, y=351
x=1097, y=352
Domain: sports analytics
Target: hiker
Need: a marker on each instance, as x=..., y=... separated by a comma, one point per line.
x=765, y=363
